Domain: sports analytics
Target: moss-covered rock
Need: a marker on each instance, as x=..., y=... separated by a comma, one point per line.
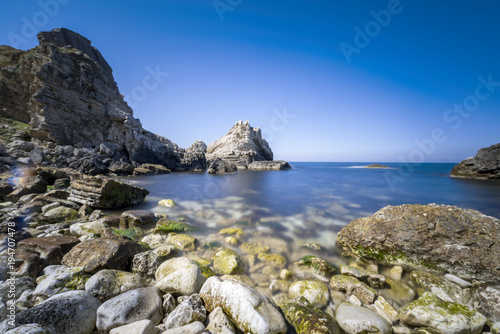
x=180, y=276
x=353, y=286
x=373, y=279
x=253, y=248
x=93, y=228
x=232, y=230
x=425, y=281
x=132, y=233
x=272, y=259
x=183, y=242
x=315, y=292
x=62, y=214
x=227, y=262
x=168, y=226
x=108, y=283
x=61, y=280
x=306, y=319
x=316, y=266
x=444, y=317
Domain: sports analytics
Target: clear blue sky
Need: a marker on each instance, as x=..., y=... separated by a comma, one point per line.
x=301, y=70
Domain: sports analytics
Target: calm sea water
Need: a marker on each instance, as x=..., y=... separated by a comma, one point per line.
x=311, y=202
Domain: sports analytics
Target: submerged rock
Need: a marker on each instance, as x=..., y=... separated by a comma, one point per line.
x=315, y=292
x=430, y=237
x=179, y=276
x=227, y=262
x=485, y=165
x=443, y=317
x=359, y=320
x=247, y=309
x=306, y=319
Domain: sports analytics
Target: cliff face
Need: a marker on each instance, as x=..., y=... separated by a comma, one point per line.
x=65, y=90
x=241, y=146
x=485, y=165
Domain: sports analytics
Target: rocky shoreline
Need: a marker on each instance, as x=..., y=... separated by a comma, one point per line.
x=485, y=165
x=140, y=272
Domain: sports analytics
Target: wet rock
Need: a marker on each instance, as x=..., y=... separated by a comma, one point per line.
x=50, y=249
x=316, y=266
x=248, y=310
x=353, y=286
x=136, y=218
x=179, y=276
x=104, y=193
x=358, y=320
x=227, y=262
x=315, y=292
x=273, y=259
x=486, y=299
x=386, y=310
x=62, y=214
x=279, y=285
x=109, y=283
x=396, y=273
x=443, y=317
x=129, y=307
x=190, y=310
x=430, y=237
x=165, y=252
x=183, y=242
x=397, y=292
x=103, y=253
x=93, y=228
x=193, y=328
x=139, y=327
x=167, y=203
x=253, y=248
x=373, y=279
x=306, y=319
x=219, y=167
x=53, y=314
x=458, y=281
x=430, y=282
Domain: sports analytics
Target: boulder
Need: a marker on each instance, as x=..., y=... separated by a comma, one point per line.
x=190, y=310
x=104, y=193
x=61, y=280
x=109, y=283
x=103, y=253
x=219, y=321
x=247, y=309
x=219, y=166
x=358, y=320
x=179, y=276
x=443, y=317
x=306, y=319
x=68, y=312
x=227, y=262
x=485, y=165
x=136, y=218
x=146, y=264
x=183, y=242
x=315, y=292
x=430, y=237
x=91, y=229
x=61, y=214
x=316, y=267
x=50, y=249
x=129, y=307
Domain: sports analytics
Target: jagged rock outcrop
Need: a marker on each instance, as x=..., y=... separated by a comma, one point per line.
x=219, y=166
x=432, y=237
x=65, y=90
x=269, y=165
x=241, y=146
x=485, y=165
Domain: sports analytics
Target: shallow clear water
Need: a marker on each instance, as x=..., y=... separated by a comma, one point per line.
x=311, y=202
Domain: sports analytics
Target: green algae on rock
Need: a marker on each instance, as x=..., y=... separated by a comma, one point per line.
x=306, y=319
x=432, y=237
x=253, y=248
x=183, y=242
x=272, y=259
x=315, y=292
x=316, y=266
x=227, y=262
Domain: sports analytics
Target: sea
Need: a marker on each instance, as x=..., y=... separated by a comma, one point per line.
x=309, y=203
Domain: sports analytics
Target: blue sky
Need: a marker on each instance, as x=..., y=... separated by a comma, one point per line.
x=327, y=80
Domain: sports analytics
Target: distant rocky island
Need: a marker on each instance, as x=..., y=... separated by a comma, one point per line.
x=376, y=166
x=70, y=113
x=485, y=165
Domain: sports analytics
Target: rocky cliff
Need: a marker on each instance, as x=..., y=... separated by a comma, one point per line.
x=241, y=146
x=485, y=165
x=65, y=90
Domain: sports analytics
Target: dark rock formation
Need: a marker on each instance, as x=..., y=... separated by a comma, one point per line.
x=65, y=90
x=219, y=166
x=485, y=165
x=431, y=237
x=104, y=193
x=241, y=146
x=376, y=166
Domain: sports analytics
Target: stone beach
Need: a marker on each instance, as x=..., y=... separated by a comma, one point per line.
x=78, y=256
